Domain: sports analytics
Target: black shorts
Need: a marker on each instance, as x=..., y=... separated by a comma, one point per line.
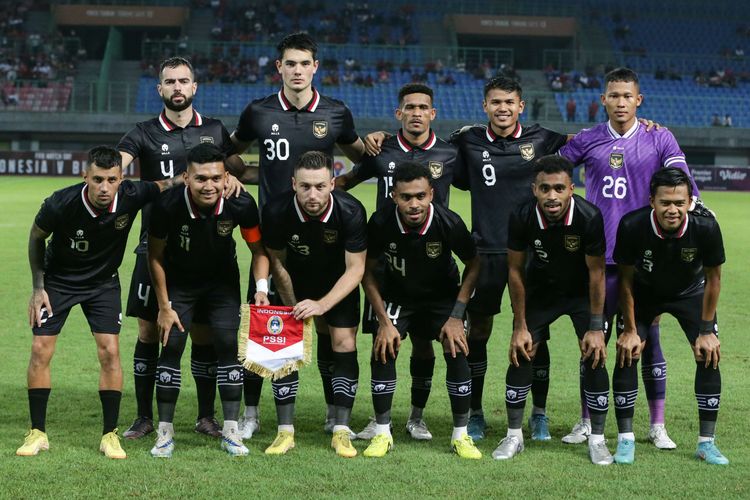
x=345, y=314
x=542, y=310
x=100, y=305
x=217, y=303
x=687, y=311
x=493, y=276
x=423, y=321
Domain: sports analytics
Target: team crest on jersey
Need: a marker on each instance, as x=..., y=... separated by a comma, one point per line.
x=436, y=169
x=207, y=139
x=122, y=222
x=330, y=236
x=616, y=160
x=224, y=227
x=320, y=129
x=275, y=325
x=572, y=242
x=688, y=254
x=434, y=249
x=527, y=151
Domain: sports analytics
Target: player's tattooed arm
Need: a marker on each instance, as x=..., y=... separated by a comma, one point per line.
x=374, y=141
x=629, y=344
x=39, y=298
x=707, y=345
x=387, y=340
x=593, y=344
x=347, y=181
x=281, y=277
x=261, y=265
x=520, y=341
x=171, y=182
x=167, y=317
x=352, y=277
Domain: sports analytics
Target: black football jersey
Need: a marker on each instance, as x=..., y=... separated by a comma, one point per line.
x=668, y=265
x=284, y=132
x=439, y=156
x=200, y=246
x=420, y=267
x=498, y=172
x=558, y=250
x=88, y=244
x=315, y=246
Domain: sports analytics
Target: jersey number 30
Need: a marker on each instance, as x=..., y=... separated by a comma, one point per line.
x=278, y=149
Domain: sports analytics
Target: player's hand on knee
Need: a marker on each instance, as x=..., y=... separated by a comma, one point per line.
x=261, y=299
x=593, y=346
x=39, y=301
x=387, y=343
x=520, y=342
x=629, y=347
x=308, y=308
x=453, y=337
x=167, y=319
x=233, y=187
x=707, y=348
x=373, y=142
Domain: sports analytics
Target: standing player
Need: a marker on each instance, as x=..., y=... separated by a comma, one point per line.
x=316, y=238
x=415, y=141
x=497, y=168
x=287, y=124
x=419, y=295
x=618, y=157
x=564, y=236
x=669, y=262
x=193, y=264
x=161, y=145
x=89, y=224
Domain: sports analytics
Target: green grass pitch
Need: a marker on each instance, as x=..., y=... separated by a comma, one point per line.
x=74, y=468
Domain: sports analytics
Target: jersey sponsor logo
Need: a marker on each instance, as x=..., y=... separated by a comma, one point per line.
x=485, y=155
x=320, y=128
x=224, y=227
x=275, y=325
x=275, y=129
x=434, y=249
x=392, y=246
x=206, y=138
x=391, y=166
x=165, y=149
x=572, y=242
x=330, y=236
x=122, y=222
x=436, y=169
x=527, y=151
x=616, y=160
x=688, y=254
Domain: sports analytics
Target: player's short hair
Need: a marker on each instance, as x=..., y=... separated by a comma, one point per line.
x=205, y=152
x=503, y=83
x=410, y=171
x=176, y=62
x=104, y=157
x=553, y=164
x=314, y=160
x=670, y=177
x=621, y=74
x=414, y=88
x=298, y=41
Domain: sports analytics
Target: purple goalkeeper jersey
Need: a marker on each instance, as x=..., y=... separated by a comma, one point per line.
x=618, y=168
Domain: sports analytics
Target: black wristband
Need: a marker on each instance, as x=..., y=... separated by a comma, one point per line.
x=459, y=309
x=596, y=322
x=706, y=327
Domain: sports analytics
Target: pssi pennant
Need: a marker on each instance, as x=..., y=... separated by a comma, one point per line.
x=271, y=342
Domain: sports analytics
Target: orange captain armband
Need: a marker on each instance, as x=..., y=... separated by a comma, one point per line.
x=250, y=234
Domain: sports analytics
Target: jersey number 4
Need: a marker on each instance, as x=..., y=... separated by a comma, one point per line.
x=278, y=149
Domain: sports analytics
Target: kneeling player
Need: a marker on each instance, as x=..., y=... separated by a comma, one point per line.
x=420, y=295
x=89, y=224
x=565, y=236
x=670, y=262
x=193, y=264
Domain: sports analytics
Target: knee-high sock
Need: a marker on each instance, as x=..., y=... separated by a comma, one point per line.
x=518, y=382
x=285, y=396
x=458, y=380
x=708, y=395
x=421, y=370
x=477, y=360
x=110, y=409
x=144, y=375
x=344, y=381
x=253, y=384
x=203, y=364
x=654, y=373
x=625, y=392
x=229, y=373
x=325, y=366
x=540, y=375
x=38, y=407
x=584, y=406
x=596, y=393
x=169, y=376
x=383, y=385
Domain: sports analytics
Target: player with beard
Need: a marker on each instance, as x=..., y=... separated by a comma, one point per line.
x=161, y=146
